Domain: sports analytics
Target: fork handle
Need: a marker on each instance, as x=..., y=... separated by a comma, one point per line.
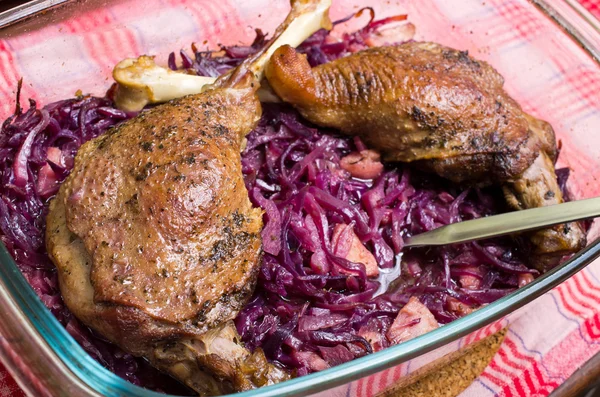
x=503, y=224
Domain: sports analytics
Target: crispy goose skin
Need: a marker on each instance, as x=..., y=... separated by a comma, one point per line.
x=161, y=206
x=153, y=234
x=157, y=243
x=437, y=108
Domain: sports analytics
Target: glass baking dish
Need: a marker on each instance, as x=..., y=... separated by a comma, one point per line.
x=546, y=50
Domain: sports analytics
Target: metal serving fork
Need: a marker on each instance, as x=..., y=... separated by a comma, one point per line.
x=512, y=222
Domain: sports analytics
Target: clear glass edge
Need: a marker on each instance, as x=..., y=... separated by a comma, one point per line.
x=576, y=22
x=108, y=384
x=28, y=357
x=28, y=9
x=105, y=382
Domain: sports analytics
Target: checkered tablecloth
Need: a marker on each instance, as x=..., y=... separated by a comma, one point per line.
x=558, y=332
x=592, y=6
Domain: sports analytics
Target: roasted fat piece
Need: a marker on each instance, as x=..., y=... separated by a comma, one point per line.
x=441, y=110
x=155, y=240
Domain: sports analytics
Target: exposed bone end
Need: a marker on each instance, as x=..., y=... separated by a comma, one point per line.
x=216, y=362
x=141, y=82
x=305, y=18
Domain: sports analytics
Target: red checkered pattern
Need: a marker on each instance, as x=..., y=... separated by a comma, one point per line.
x=10, y=75
x=523, y=25
x=520, y=369
x=592, y=6
x=544, y=70
x=8, y=387
x=578, y=92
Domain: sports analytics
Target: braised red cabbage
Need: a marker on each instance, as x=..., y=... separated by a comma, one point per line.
x=306, y=300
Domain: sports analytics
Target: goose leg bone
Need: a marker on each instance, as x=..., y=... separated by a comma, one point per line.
x=140, y=81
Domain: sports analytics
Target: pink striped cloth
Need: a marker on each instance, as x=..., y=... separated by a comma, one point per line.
x=553, y=335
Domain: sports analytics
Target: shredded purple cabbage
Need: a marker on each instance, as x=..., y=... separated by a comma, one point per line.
x=312, y=308
x=305, y=300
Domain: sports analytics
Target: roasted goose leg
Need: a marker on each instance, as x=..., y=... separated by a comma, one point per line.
x=156, y=243
x=439, y=109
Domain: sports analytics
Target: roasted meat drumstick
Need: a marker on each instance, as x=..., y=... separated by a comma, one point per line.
x=154, y=237
x=441, y=110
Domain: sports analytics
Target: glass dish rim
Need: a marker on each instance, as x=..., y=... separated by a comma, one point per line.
x=93, y=375
x=98, y=378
